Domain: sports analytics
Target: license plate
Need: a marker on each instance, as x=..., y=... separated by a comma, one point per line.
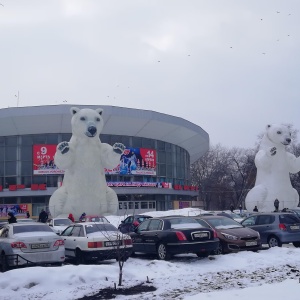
x=200, y=235
x=294, y=227
x=40, y=246
x=252, y=243
x=112, y=243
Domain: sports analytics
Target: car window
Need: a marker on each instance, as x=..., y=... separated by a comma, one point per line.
x=4, y=232
x=143, y=226
x=203, y=223
x=99, y=227
x=223, y=223
x=67, y=231
x=265, y=219
x=128, y=220
x=76, y=231
x=62, y=222
x=155, y=225
x=249, y=221
x=31, y=228
x=288, y=219
x=142, y=219
x=178, y=223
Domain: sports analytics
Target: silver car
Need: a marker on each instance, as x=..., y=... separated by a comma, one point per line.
x=30, y=244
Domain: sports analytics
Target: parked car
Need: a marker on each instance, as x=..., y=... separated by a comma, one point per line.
x=131, y=222
x=233, y=236
x=96, y=241
x=94, y=218
x=167, y=236
x=30, y=243
x=275, y=228
x=25, y=220
x=58, y=225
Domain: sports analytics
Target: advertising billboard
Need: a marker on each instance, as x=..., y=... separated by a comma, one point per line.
x=43, y=160
x=136, y=161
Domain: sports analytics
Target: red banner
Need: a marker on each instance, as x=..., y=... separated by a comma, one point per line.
x=43, y=160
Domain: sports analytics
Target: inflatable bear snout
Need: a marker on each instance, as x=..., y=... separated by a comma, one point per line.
x=91, y=131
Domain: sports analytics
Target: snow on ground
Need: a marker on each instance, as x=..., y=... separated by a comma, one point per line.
x=272, y=273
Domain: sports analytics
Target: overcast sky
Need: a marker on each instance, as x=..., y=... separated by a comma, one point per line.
x=229, y=66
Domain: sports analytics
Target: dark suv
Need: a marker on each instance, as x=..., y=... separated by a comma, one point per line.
x=131, y=222
x=275, y=228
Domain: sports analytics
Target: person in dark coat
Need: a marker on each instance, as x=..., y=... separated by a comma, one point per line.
x=276, y=205
x=11, y=218
x=27, y=214
x=255, y=208
x=43, y=217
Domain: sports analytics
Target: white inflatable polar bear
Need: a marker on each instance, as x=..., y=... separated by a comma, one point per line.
x=84, y=158
x=273, y=165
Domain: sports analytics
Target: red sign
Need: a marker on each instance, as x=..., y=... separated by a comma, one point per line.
x=43, y=160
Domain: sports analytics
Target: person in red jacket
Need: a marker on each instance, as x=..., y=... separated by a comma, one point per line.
x=71, y=217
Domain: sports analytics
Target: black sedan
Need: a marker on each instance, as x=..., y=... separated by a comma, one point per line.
x=167, y=236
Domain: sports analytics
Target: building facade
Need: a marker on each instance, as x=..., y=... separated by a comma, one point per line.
x=27, y=182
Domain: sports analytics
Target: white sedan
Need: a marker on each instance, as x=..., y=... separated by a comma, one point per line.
x=58, y=225
x=30, y=244
x=96, y=241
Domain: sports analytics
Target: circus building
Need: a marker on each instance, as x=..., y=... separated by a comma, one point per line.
x=153, y=174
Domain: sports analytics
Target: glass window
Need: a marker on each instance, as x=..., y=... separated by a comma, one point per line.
x=39, y=139
x=249, y=221
x=160, y=145
x=52, y=139
x=27, y=140
x=288, y=219
x=144, y=205
x=26, y=168
x=136, y=205
x=161, y=157
x=11, y=141
x=155, y=225
x=76, y=230
x=2, y=141
x=143, y=226
x=26, y=153
x=26, y=180
x=162, y=170
x=38, y=179
x=265, y=219
x=10, y=168
x=66, y=137
x=136, y=142
x=67, y=231
x=1, y=168
x=151, y=204
x=105, y=138
x=148, y=143
x=126, y=141
x=130, y=205
x=169, y=171
x=120, y=205
x=11, y=153
x=2, y=153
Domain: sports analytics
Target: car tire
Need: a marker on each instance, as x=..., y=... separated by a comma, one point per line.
x=162, y=253
x=3, y=262
x=79, y=258
x=296, y=244
x=219, y=250
x=273, y=241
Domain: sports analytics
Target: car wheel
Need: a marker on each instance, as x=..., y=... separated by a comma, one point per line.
x=79, y=258
x=219, y=250
x=162, y=253
x=273, y=241
x=296, y=244
x=4, y=264
x=202, y=254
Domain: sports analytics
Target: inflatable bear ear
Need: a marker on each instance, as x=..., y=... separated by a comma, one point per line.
x=99, y=111
x=74, y=110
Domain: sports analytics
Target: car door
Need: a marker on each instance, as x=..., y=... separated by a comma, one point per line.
x=127, y=224
x=69, y=244
x=151, y=236
x=138, y=237
x=264, y=225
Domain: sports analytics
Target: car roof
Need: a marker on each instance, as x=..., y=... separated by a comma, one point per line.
x=212, y=216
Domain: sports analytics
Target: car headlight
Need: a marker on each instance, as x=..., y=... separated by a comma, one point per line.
x=229, y=236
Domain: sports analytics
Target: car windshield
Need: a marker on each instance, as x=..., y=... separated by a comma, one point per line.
x=62, y=222
x=99, y=227
x=181, y=223
x=223, y=223
x=31, y=228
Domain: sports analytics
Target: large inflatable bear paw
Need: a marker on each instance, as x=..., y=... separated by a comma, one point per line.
x=119, y=148
x=273, y=151
x=63, y=147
